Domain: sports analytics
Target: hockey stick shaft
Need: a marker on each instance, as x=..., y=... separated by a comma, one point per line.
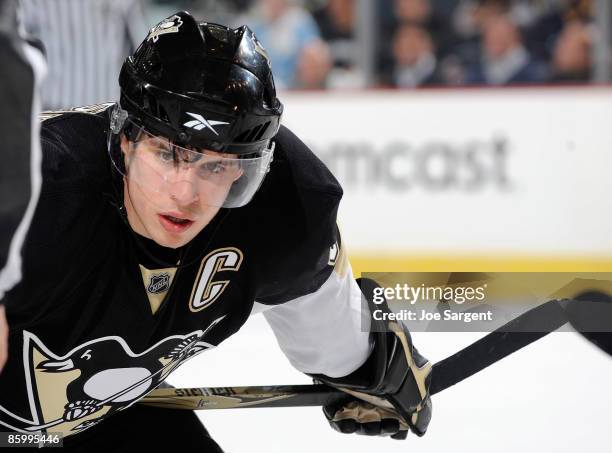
x=242, y=397
x=511, y=337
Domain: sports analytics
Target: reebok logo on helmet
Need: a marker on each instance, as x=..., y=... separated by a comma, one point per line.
x=200, y=123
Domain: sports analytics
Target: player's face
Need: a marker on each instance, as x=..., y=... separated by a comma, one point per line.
x=172, y=202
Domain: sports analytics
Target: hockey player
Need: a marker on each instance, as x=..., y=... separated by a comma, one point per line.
x=165, y=220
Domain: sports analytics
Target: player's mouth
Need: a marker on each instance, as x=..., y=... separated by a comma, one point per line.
x=174, y=223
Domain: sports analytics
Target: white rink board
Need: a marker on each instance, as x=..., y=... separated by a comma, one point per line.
x=468, y=171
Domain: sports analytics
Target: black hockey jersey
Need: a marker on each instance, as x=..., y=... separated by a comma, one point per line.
x=96, y=322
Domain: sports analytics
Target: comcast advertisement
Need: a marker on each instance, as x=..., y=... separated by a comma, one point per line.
x=510, y=176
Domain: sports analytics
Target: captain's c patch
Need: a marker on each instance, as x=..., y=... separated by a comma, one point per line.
x=207, y=290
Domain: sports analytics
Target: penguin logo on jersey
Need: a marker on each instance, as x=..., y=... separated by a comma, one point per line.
x=206, y=289
x=71, y=392
x=159, y=283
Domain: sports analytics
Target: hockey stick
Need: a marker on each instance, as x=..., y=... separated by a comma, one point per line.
x=491, y=348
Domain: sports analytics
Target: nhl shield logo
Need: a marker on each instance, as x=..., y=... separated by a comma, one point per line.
x=159, y=283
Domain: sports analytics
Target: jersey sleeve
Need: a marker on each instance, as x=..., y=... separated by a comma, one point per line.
x=326, y=331
x=295, y=214
x=306, y=287
x=69, y=204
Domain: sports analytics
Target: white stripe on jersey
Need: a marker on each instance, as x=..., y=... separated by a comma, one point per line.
x=322, y=332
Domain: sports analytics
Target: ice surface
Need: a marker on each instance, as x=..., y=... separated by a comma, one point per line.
x=554, y=395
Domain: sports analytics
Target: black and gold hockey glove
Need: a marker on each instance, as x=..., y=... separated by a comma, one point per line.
x=389, y=394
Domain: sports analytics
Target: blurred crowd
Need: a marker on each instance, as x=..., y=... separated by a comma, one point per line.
x=317, y=43
x=485, y=42
x=329, y=44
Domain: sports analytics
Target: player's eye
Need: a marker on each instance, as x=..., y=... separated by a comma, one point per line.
x=213, y=167
x=164, y=155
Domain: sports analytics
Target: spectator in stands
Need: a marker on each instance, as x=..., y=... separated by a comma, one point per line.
x=313, y=68
x=286, y=30
x=572, y=54
x=470, y=15
x=336, y=21
x=85, y=42
x=504, y=60
x=413, y=11
x=394, y=14
x=424, y=14
x=414, y=58
x=579, y=10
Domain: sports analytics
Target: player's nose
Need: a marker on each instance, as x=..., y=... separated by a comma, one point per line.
x=183, y=192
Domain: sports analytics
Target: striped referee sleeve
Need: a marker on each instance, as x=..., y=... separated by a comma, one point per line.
x=21, y=72
x=86, y=42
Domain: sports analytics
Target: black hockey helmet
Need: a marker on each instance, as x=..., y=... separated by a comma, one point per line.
x=202, y=85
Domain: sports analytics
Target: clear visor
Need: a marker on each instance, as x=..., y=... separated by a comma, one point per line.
x=173, y=175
